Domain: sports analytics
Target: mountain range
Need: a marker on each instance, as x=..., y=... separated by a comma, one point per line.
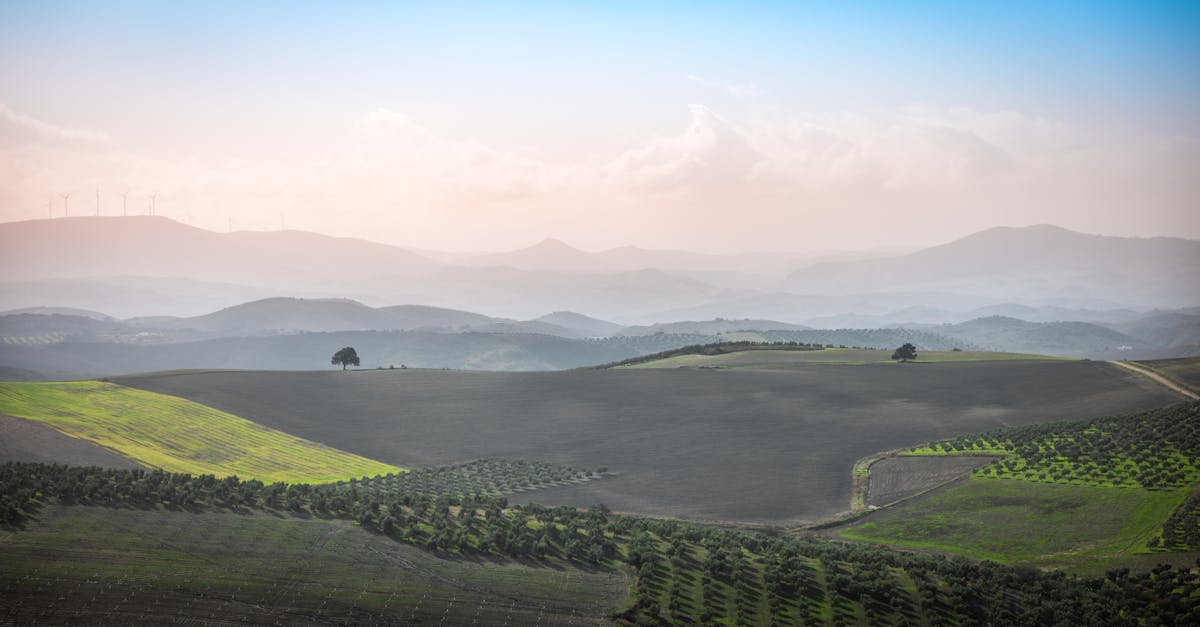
x=143, y=265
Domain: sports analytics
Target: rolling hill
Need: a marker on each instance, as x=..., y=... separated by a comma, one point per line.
x=1040, y=264
x=732, y=433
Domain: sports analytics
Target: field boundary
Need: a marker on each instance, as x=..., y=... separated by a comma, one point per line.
x=1146, y=372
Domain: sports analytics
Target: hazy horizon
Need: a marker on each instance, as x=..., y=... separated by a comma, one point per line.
x=479, y=128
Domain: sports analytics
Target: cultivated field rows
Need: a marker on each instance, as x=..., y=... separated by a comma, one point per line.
x=760, y=446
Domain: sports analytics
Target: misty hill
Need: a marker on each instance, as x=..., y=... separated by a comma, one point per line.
x=1171, y=329
x=1067, y=339
x=921, y=315
x=311, y=351
x=1041, y=264
x=64, y=311
x=27, y=328
x=712, y=327
x=557, y=256
x=102, y=246
x=586, y=325
x=274, y=315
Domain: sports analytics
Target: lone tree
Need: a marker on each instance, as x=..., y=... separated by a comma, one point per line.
x=905, y=353
x=346, y=357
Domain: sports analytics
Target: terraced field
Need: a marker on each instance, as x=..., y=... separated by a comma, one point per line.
x=178, y=435
x=762, y=446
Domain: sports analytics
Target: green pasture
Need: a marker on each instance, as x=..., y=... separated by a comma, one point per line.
x=179, y=435
x=1022, y=522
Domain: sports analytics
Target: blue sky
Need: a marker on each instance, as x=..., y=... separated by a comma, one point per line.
x=569, y=84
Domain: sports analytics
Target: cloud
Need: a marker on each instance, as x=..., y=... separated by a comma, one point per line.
x=756, y=178
x=710, y=153
x=19, y=130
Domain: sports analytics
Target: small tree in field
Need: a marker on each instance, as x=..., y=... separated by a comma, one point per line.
x=346, y=357
x=905, y=353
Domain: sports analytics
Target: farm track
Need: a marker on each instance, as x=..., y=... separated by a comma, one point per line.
x=1157, y=378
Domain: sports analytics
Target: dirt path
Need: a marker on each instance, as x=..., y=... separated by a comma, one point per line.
x=1157, y=378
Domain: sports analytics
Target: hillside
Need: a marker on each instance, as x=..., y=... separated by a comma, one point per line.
x=1041, y=264
x=1072, y=339
x=759, y=422
x=1115, y=489
x=176, y=435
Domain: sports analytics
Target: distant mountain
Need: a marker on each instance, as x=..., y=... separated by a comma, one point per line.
x=311, y=351
x=1035, y=265
x=283, y=315
x=1067, y=339
x=585, y=325
x=64, y=311
x=1171, y=329
x=711, y=327
x=29, y=328
x=424, y=316
x=102, y=246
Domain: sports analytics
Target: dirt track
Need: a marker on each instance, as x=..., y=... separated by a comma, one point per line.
x=1157, y=378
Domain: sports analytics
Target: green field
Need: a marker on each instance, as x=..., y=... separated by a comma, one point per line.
x=770, y=359
x=1023, y=522
x=178, y=435
x=92, y=565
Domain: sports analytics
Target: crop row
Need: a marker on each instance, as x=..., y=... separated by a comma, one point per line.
x=1154, y=450
x=485, y=477
x=686, y=572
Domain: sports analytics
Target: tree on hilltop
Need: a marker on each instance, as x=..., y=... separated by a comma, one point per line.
x=906, y=352
x=346, y=357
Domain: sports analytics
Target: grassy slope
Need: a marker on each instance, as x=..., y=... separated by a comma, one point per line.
x=1022, y=522
x=1078, y=494
x=785, y=359
x=125, y=566
x=178, y=435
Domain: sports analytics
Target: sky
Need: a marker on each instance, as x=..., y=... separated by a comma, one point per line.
x=721, y=127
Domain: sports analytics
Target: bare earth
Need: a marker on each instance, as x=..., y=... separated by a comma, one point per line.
x=896, y=478
x=772, y=447
x=27, y=441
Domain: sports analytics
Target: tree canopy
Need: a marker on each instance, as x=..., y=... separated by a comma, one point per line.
x=905, y=352
x=346, y=357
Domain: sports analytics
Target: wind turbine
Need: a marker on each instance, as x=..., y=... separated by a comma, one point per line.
x=124, y=203
x=97, y=200
x=50, y=207
x=152, y=208
x=66, y=207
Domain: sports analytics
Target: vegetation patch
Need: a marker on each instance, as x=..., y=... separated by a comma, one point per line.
x=485, y=477
x=1020, y=522
x=93, y=565
x=479, y=560
x=1154, y=449
x=179, y=435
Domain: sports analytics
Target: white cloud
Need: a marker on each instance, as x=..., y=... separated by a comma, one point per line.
x=756, y=178
x=18, y=130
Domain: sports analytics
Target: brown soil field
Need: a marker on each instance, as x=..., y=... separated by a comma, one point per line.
x=770, y=447
x=895, y=478
x=27, y=441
